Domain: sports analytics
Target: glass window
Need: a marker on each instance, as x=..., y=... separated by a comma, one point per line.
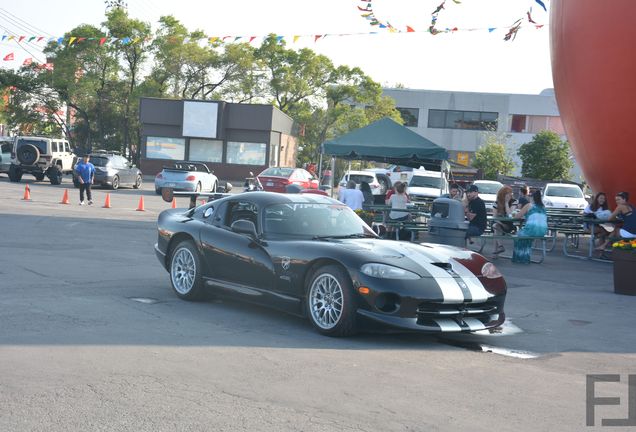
x=564, y=191
x=426, y=182
x=99, y=161
x=472, y=120
x=489, y=121
x=518, y=123
x=436, y=118
x=454, y=119
x=277, y=172
x=409, y=116
x=245, y=153
x=165, y=148
x=206, y=150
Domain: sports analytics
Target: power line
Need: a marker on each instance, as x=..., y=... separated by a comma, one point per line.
x=20, y=44
x=28, y=24
x=33, y=46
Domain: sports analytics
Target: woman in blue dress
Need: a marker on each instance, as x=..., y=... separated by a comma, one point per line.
x=536, y=225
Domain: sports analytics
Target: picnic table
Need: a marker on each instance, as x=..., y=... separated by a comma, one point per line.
x=417, y=223
x=593, y=222
x=519, y=222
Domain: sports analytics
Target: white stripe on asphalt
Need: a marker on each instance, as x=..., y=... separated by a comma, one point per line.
x=447, y=325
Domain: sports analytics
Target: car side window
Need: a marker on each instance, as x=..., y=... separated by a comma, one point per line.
x=54, y=146
x=242, y=210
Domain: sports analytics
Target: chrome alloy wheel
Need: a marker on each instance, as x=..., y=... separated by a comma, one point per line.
x=183, y=271
x=325, y=301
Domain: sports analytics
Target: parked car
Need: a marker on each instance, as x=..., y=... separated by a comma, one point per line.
x=6, y=145
x=313, y=256
x=186, y=176
x=112, y=170
x=563, y=195
x=41, y=157
x=276, y=179
x=488, y=193
x=427, y=185
x=362, y=176
x=392, y=173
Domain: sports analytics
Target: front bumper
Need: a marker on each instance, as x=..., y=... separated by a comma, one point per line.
x=161, y=256
x=418, y=305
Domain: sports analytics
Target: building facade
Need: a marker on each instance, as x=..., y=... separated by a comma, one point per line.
x=461, y=121
x=231, y=139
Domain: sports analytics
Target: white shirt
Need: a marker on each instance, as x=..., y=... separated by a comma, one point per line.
x=398, y=201
x=352, y=198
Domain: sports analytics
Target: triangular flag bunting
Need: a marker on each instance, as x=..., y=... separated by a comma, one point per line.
x=316, y=37
x=409, y=29
x=71, y=40
x=21, y=38
x=8, y=57
x=102, y=41
x=27, y=61
x=252, y=38
x=296, y=38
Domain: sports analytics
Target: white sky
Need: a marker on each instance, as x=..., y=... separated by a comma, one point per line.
x=462, y=61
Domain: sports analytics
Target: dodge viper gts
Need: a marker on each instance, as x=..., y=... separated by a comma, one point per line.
x=312, y=256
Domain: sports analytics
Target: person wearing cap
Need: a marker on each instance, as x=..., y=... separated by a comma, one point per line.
x=475, y=213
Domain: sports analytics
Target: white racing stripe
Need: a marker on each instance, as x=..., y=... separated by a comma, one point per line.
x=474, y=324
x=477, y=290
x=448, y=325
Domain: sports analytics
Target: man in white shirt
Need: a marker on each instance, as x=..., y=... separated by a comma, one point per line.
x=351, y=196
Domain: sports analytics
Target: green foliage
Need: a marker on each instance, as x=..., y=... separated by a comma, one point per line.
x=493, y=158
x=546, y=157
x=93, y=93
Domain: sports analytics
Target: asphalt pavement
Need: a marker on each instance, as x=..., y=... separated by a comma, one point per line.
x=92, y=338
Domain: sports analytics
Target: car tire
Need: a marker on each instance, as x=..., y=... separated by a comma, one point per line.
x=185, y=271
x=330, y=302
x=15, y=173
x=115, y=184
x=197, y=188
x=55, y=175
x=138, y=181
x=39, y=177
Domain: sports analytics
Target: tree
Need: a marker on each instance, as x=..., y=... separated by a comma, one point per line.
x=546, y=157
x=493, y=157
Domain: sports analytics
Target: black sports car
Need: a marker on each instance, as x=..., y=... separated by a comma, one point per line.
x=311, y=255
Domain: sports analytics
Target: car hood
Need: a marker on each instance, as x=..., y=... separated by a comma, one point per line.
x=446, y=264
x=424, y=259
x=488, y=197
x=423, y=191
x=565, y=202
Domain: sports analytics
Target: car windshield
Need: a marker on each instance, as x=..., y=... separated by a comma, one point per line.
x=40, y=144
x=564, y=191
x=427, y=182
x=489, y=188
x=359, y=178
x=99, y=161
x=277, y=172
x=313, y=221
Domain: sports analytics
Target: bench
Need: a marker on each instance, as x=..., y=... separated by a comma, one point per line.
x=410, y=226
x=542, y=241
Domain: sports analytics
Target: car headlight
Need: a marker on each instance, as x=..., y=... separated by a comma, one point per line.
x=384, y=271
x=490, y=271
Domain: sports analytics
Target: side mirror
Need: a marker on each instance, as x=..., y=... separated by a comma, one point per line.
x=243, y=226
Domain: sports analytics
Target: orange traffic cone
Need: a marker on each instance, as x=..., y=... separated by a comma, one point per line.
x=107, y=202
x=65, y=199
x=27, y=193
x=140, y=207
x=174, y=203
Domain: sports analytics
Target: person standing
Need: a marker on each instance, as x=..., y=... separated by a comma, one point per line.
x=475, y=213
x=85, y=175
x=351, y=196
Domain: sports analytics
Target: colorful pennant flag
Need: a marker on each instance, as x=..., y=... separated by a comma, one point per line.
x=8, y=57
x=27, y=61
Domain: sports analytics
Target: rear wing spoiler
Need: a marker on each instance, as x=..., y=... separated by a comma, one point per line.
x=168, y=194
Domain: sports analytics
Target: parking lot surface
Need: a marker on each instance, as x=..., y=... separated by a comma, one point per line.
x=93, y=338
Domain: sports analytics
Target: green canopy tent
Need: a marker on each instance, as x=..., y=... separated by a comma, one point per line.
x=387, y=141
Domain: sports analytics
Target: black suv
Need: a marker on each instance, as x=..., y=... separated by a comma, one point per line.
x=112, y=170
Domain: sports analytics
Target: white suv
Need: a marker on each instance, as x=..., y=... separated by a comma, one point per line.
x=362, y=176
x=41, y=156
x=563, y=195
